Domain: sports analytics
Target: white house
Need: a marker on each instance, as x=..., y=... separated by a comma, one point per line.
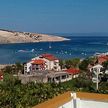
x=42, y=62
x=73, y=72
x=59, y=77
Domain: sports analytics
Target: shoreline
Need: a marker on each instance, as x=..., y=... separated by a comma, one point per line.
x=9, y=37
x=4, y=65
x=33, y=42
x=64, y=39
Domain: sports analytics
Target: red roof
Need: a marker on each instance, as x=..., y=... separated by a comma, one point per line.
x=49, y=57
x=72, y=71
x=46, y=55
x=39, y=62
x=102, y=59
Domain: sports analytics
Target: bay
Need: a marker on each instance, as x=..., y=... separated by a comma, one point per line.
x=78, y=46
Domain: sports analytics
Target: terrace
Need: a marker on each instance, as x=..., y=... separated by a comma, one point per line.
x=88, y=100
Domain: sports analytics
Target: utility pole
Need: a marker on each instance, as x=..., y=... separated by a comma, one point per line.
x=96, y=70
x=97, y=81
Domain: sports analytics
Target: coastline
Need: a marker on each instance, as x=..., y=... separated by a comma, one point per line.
x=4, y=65
x=8, y=37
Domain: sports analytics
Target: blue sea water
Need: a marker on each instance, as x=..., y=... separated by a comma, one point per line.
x=78, y=46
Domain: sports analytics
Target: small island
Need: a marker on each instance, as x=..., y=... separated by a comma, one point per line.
x=7, y=36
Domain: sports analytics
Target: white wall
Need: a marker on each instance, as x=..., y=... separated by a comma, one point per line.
x=28, y=66
x=85, y=104
x=67, y=105
x=93, y=104
x=50, y=64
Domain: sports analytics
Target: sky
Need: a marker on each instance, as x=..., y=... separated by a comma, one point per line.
x=54, y=16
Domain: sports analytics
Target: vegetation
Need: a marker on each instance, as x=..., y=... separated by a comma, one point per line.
x=105, y=64
x=14, y=69
x=13, y=94
x=70, y=63
x=84, y=64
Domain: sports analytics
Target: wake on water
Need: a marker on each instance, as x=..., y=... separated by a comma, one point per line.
x=26, y=51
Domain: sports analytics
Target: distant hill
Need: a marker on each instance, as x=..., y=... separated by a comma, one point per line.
x=7, y=36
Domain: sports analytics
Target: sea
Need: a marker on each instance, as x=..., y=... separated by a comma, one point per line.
x=76, y=47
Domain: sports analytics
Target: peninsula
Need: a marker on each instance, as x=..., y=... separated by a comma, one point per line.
x=7, y=36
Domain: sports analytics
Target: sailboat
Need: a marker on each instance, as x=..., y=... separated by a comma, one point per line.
x=50, y=46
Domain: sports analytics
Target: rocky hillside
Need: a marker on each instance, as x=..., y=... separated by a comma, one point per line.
x=24, y=37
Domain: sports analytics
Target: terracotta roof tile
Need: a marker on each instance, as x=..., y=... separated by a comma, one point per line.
x=39, y=62
x=72, y=71
x=49, y=57
x=102, y=59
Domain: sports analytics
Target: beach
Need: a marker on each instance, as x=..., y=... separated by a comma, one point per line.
x=2, y=66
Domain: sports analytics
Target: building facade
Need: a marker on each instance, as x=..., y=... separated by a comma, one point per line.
x=42, y=62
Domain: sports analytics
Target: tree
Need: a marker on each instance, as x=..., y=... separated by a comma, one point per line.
x=84, y=64
x=105, y=64
x=62, y=64
x=75, y=62
x=68, y=64
x=72, y=63
x=7, y=69
x=19, y=67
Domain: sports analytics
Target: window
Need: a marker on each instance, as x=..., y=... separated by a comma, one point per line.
x=67, y=76
x=55, y=63
x=49, y=79
x=64, y=77
x=58, y=78
x=55, y=67
x=37, y=68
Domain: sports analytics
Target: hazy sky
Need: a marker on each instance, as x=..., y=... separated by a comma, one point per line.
x=54, y=16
